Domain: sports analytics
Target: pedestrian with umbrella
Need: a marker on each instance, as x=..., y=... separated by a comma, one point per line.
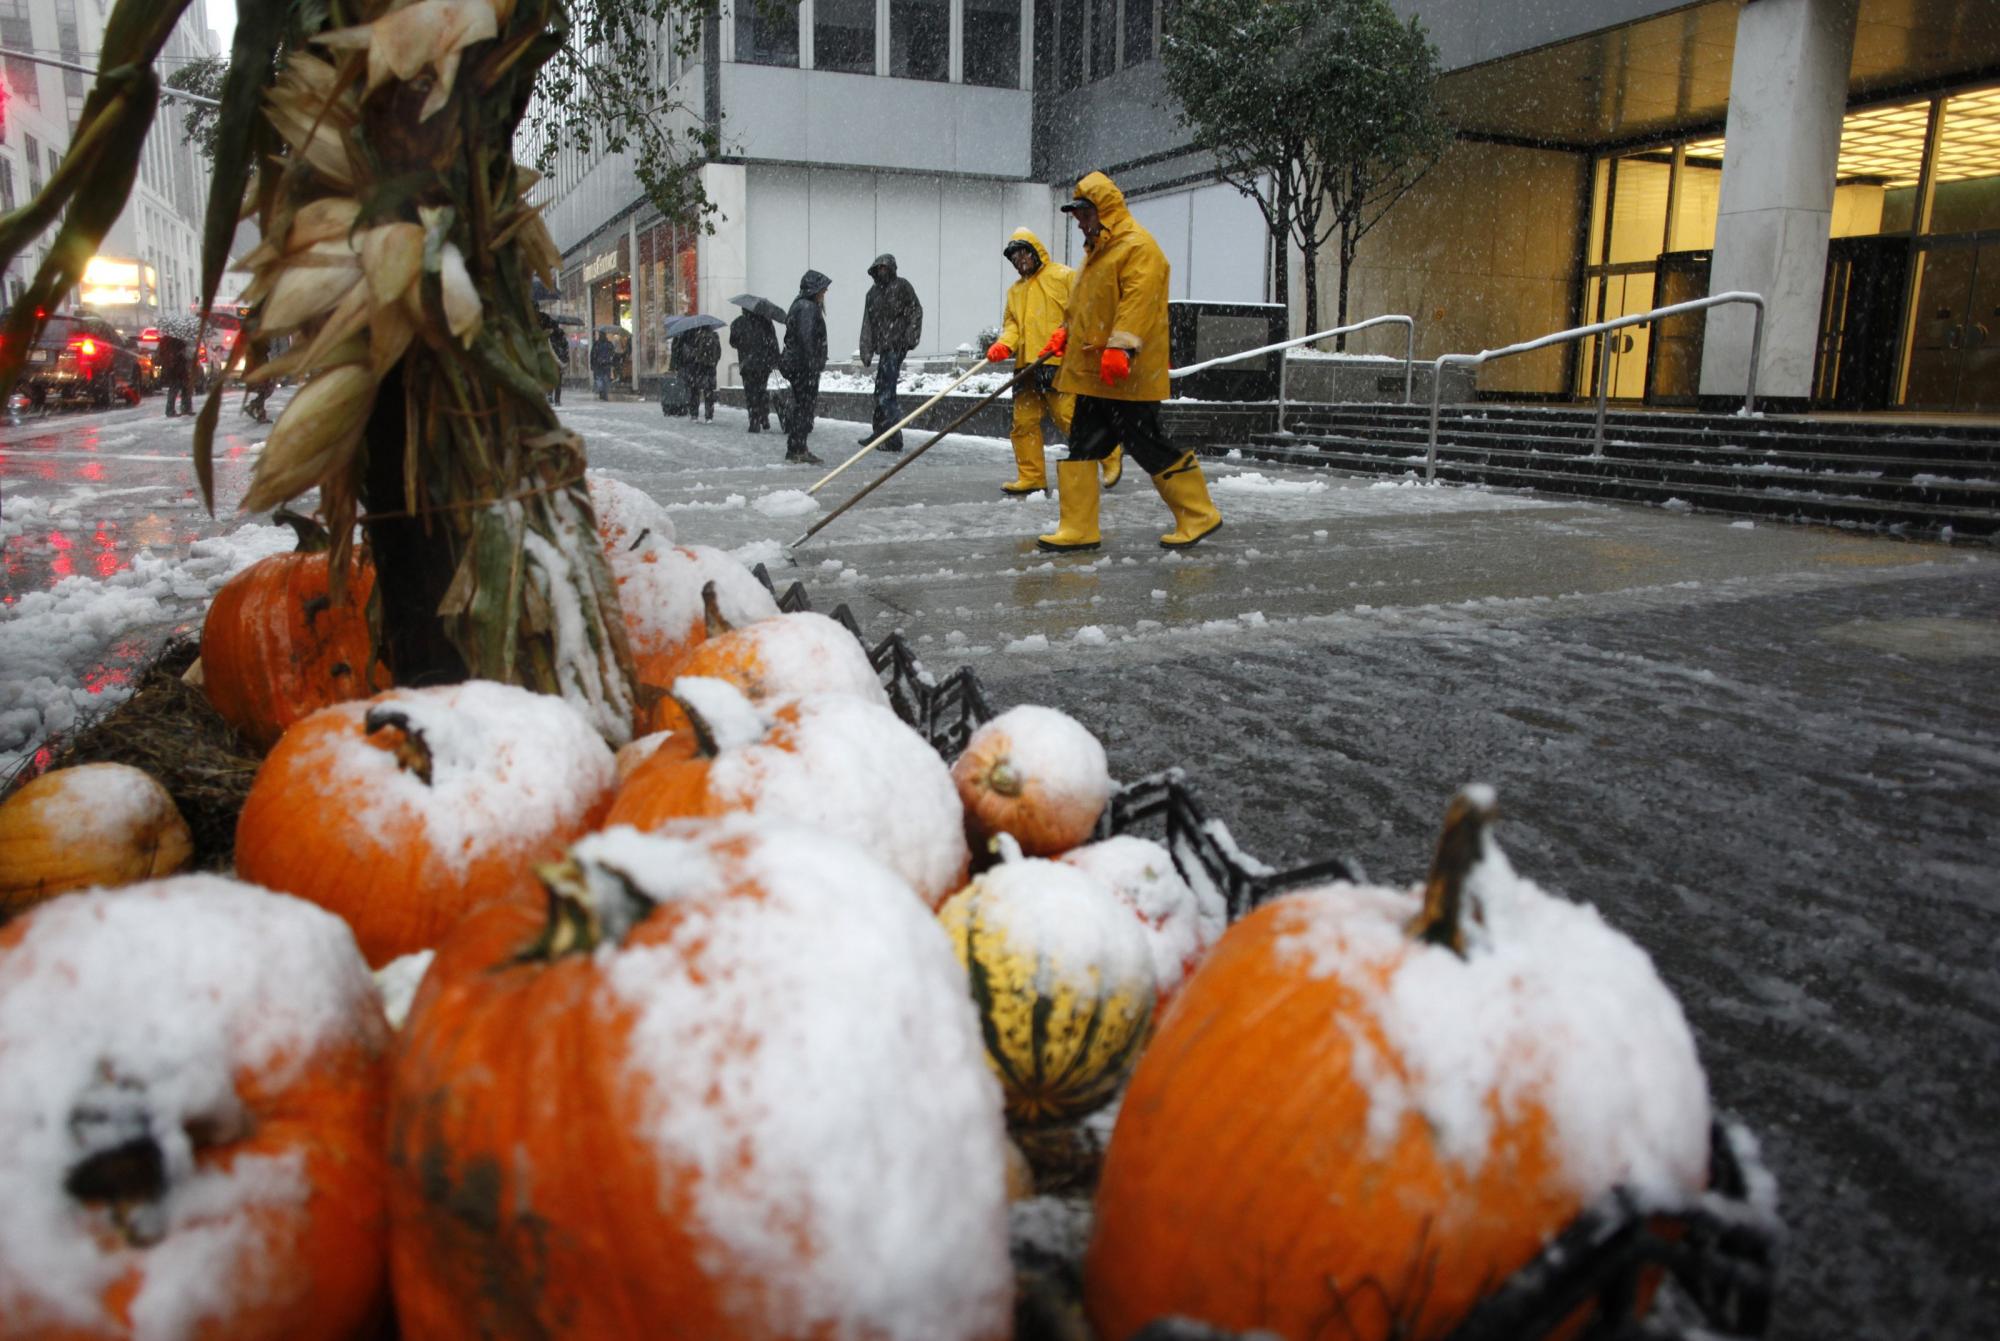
x=559, y=346
x=696, y=351
x=802, y=360
x=178, y=335
x=754, y=337
x=603, y=357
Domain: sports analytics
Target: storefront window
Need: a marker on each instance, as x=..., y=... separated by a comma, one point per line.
x=1070, y=58
x=993, y=43
x=844, y=36
x=767, y=32
x=920, y=39
x=1103, y=38
x=1138, y=31
x=1639, y=207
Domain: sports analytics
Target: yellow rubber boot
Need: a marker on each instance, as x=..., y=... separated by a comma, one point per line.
x=1076, y=497
x=1030, y=475
x=1186, y=492
x=1114, y=468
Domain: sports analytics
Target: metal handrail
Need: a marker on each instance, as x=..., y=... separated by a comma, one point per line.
x=1285, y=365
x=1603, y=382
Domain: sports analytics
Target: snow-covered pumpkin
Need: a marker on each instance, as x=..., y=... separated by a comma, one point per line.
x=192, y=1081
x=1375, y=1104
x=403, y=813
x=781, y=657
x=628, y=518
x=829, y=761
x=276, y=644
x=1035, y=773
x=727, y=1085
x=659, y=589
x=1180, y=923
x=1061, y=976
x=94, y=824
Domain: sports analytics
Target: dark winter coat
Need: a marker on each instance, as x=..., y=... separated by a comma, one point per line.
x=755, y=341
x=892, y=320
x=602, y=353
x=805, y=330
x=698, y=350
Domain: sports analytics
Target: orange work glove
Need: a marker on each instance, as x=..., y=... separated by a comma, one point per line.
x=1057, y=343
x=998, y=353
x=1116, y=365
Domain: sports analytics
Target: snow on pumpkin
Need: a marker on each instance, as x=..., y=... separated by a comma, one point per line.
x=659, y=589
x=191, y=1090
x=1180, y=925
x=93, y=824
x=1036, y=774
x=1462, y=1071
x=828, y=761
x=769, y=1057
x=403, y=812
x=781, y=657
x=628, y=519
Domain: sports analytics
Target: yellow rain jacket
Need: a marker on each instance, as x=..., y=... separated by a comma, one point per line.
x=1035, y=304
x=1119, y=301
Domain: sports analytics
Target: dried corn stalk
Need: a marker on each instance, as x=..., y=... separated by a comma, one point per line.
x=397, y=254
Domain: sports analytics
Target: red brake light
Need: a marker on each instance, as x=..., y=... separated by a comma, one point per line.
x=87, y=347
x=150, y=333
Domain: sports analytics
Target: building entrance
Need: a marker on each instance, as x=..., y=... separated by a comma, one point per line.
x=1955, y=345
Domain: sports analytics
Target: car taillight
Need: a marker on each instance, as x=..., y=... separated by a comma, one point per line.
x=150, y=333
x=87, y=348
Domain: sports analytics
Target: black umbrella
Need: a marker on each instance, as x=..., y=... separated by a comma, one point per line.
x=694, y=321
x=563, y=319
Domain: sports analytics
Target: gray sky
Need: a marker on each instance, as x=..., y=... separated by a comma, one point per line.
x=222, y=18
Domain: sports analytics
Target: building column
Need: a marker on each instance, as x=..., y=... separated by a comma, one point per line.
x=1787, y=91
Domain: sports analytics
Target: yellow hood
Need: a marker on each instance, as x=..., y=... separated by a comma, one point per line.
x=1027, y=235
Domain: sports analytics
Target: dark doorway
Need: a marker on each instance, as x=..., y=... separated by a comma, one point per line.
x=1860, y=323
x=1955, y=353
x=1673, y=363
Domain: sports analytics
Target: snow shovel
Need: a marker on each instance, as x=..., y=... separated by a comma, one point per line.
x=870, y=446
x=936, y=438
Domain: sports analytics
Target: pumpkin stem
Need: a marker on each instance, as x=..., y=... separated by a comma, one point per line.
x=313, y=538
x=1003, y=779
x=130, y=1178
x=579, y=918
x=705, y=744
x=711, y=611
x=1442, y=919
x=413, y=752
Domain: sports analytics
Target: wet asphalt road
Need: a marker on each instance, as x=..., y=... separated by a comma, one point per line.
x=1769, y=753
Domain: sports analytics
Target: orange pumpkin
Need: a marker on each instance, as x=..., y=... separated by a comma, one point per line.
x=828, y=761
x=191, y=1145
x=780, y=657
x=628, y=520
x=1035, y=773
x=277, y=644
x=660, y=592
x=404, y=813
x=1372, y=1109
x=92, y=824
x=677, y=1103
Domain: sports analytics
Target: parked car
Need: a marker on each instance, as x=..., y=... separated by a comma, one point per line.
x=146, y=344
x=80, y=358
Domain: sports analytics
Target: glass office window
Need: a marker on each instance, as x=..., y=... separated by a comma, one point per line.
x=844, y=36
x=767, y=32
x=920, y=39
x=993, y=43
x=1103, y=38
x=1638, y=225
x=1071, y=55
x=1138, y=31
x=1967, y=196
x=1695, y=203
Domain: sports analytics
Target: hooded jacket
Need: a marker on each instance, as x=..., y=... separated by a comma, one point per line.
x=1035, y=303
x=755, y=341
x=1119, y=301
x=805, y=330
x=892, y=320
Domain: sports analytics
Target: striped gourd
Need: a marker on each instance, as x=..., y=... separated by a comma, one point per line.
x=1058, y=968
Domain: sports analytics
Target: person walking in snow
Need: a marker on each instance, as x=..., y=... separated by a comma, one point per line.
x=559, y=346
x=176, y=372
x=1034, y=309
x=755, y=341
x=695, y=357
x=803, y=357
x=1113, y=342
x=892, y=324
x=602, y=357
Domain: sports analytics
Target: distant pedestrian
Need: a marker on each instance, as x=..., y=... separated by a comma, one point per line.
x=695, y=357
x=803, y=358
x=1113, y=342
x=1035, y=305
x=603, y=357
x=176, y=372
x=755, y=341
x=559, y=346
x=892, y=324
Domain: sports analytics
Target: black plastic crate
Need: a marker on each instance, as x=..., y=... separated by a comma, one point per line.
x=1713, y=1263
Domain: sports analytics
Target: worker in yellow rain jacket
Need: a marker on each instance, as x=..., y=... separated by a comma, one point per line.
x=1114, y=346
x=1034, y=310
